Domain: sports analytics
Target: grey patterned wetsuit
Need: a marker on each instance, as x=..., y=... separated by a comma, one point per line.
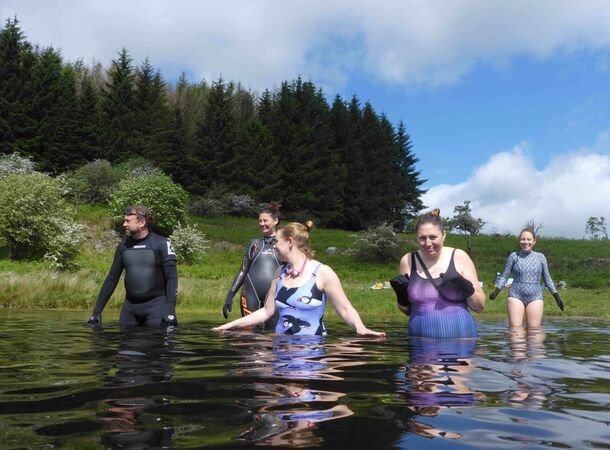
x=528, y=268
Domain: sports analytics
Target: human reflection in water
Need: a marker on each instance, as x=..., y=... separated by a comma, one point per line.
x=287, y=405
x=526, y=346
x=435, y=378
x=143, y=362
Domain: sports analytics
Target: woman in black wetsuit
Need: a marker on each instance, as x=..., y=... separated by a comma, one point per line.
x=258, y=266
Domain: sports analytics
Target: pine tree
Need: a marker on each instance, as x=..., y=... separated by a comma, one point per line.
x=152, y=117
x=216, y=141
x=189, y=102
x=88, y=117
x=376, y=140
x=308, y=166
x=411, y=191
x=256, y=162
x=355, y=161
x=118, y=109
x=53, y=110
x=16, y=61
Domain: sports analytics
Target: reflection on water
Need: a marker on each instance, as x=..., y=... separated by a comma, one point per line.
x=286, y=411
x=65, y=385
x=526, y=345
x=143, y=357
x=436, y=377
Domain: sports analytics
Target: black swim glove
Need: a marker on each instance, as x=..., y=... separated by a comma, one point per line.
x=463, y=285
x=400, y=284
x=95, y=320
x=226, y=308
x=494, y=294
x=558, y=301
x=170, y=319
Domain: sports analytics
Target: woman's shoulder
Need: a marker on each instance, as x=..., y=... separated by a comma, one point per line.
x=407, y=256
x=456, y=252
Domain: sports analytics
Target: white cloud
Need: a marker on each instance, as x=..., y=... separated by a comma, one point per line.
x=410, y=43
x=508, y=191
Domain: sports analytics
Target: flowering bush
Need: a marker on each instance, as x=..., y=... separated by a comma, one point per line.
x=379, y=243
x=14, y=163
x=137, y=167
x=240, y=205
x=166, y=200
x=64, y=246
x=207, y=207
x=35, y=219
x=189, y=243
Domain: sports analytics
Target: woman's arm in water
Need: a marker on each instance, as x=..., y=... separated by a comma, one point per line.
x=466, y=268
x=331, y=286
x=259, y=316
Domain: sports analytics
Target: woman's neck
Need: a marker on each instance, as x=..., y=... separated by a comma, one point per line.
x=296, y=264
x=431, y=260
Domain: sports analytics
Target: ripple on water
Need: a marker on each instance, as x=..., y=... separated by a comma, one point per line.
x=66, y=385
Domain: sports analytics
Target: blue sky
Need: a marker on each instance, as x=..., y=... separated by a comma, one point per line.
x=506, y=102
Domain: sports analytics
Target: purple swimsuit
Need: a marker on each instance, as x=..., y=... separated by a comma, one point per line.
x=433, y=315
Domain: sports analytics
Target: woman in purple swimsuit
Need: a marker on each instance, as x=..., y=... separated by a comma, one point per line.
x=300, y=290
x=438, y=285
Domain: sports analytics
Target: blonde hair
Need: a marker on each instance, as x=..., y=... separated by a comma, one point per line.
x=433, y=217
x=300, y=235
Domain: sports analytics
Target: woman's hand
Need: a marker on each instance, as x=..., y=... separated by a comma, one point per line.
x=364, y=331
x=462, y=284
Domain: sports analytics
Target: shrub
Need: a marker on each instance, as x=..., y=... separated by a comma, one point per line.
x=65, y=245
x=93, y=182
x=189, y=243
x=35, y=219
x=240, y=205
x=137, y=167
x=166, y=200
x=14, y=163
x=379, y=243
x=207, y=207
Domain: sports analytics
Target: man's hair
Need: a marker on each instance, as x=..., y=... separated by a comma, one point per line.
x=141, y=212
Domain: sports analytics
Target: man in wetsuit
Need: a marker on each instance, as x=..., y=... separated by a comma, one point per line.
x=151, y=278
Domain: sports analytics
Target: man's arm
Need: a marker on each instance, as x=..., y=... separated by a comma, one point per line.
x=112, y=279
x=171, y=283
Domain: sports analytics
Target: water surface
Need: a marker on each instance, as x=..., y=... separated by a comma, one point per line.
x=65, y=385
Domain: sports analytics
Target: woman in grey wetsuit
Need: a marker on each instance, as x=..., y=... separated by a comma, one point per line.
x=258, y=266
x=300, y=290
x=525, y=294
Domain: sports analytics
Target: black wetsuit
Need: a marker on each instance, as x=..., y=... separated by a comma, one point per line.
x=256, y=273
x=151, y=280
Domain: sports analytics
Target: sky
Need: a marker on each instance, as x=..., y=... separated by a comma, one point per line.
x=506, y=102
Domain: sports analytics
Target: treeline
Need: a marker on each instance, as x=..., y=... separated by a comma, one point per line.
x=342, y=164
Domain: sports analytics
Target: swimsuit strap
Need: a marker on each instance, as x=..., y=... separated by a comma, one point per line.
x=430, y=279
x=426, y=271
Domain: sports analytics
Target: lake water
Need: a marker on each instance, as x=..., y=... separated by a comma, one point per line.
x=65, y=385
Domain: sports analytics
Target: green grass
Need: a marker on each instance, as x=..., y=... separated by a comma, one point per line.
x=584, y=265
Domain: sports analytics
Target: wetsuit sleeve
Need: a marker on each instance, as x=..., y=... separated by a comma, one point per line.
x=507, y=270
x=168, y=261
x=548, y=281
x=243, y=269
x=112, y=279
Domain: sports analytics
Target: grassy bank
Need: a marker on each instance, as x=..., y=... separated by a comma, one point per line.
x=584, y=265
